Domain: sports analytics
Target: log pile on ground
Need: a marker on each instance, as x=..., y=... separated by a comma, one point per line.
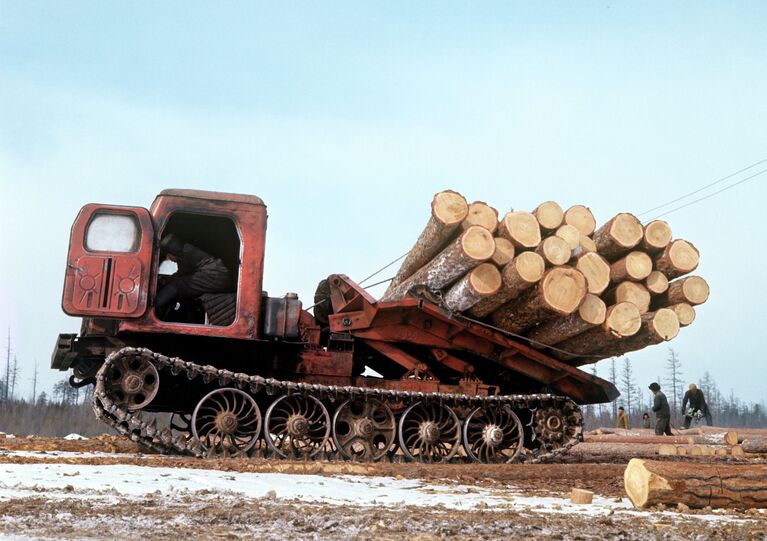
x=582, y=292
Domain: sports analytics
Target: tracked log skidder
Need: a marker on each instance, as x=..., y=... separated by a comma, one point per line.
x=243, y=373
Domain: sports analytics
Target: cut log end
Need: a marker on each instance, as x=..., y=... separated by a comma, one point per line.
x=621, y=233
x=596, y=270
x=657, y=235
x=684, y=312
x=483, y=215
x=529, y=266
x=563, y=289
x=549, y=215
x=623, y=319
x=522, y=229
x=504, y=251
x=635, y=266
x=631, y=292
x=485, y=279
x=637, y=481
x=449, y=207
x=695, y=290
x=571, y=236
x=665, y=324
x=656, y=283
x=580, y=496
x=678, y=258
x=554, y=250
x=592, y=310
x=581, y=218
x=478, y=243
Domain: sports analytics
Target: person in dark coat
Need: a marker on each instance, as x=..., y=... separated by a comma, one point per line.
x=697, y=404
x=198, y=273
x=662, y=411
x=646, y=420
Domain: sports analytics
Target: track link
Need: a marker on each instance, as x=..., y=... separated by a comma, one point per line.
x=160, y=439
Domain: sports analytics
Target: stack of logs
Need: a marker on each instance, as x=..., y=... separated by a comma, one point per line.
x=552, y=276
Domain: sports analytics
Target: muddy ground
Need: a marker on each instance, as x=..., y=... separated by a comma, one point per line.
x=206, y=515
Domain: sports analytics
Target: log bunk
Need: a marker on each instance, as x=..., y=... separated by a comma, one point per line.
x=580, y=292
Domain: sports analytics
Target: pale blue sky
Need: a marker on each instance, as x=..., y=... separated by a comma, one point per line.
x=347, y=117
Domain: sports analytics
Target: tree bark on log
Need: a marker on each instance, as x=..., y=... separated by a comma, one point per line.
x=659, y=326
x=656, y=283
x=554, y=251
x=481, y=214
x=521, y=273
x=522, y=229
x=581, y=218
x=504, y=252
x=657, y=235
x=475, y=245
x=756, y=444
x=651, y=482
x=590, y=313
x=559, y=293
x=549, y=215
x=629, y=292
x=448, y=210
x=619, y=235
x=480, y=282
x=634, y=266
x=621, y=321
x=596, y=270
x=570, y=235
x=678, y=258
x=684, y=312
x=692, y=290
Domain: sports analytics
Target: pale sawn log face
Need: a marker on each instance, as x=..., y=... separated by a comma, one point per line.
x=521, y=273
x=680, y=257
x=554, y=251
x=657, y=235
x=634, y=266
x=692, y=290
x=481, y=214
x=631, y=292
x=651, y=482
x=591, y=312
x=656, y=327
x=473, y=247
x=549, y=215
x=571, y=236
x=581, y=218
x=521, y=228
x=478, y=283
x=619, y=235
x=504, y=252
x=596, y=270
x=448, y=210
x=656, y=283
x=684, y=312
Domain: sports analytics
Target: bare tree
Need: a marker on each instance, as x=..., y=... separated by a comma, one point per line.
x=14, y=377
x=628, y=385
x=614, y=380
x=673, y=381
x=34, y=384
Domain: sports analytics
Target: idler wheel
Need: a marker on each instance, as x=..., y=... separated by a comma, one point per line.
x=297, y=426
x=132, y=382
x=364, y=429
x=429, y=432
x=493, y=435
x=226, y=422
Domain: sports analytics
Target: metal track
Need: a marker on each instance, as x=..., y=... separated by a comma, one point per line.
x=160, y=439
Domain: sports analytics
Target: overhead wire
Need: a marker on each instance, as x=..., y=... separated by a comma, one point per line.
x=685, y=196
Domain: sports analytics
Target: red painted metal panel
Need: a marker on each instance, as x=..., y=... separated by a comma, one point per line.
x=108, y=282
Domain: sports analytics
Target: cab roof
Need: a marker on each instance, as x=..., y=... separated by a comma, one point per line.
x=215, y=196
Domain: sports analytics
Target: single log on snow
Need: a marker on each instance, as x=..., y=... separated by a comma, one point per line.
x=684, y=312
x=591, y=312
x=521, y=228
x=629, y=292
x=549, y=215
x=657, y=235
x=559, y=293
x=656, y=283
x=475, y=245
x=504, y=252
x=596, y=270
x=622, y=320
x=481, y=214
x=581, y=218
x=554, y=251
x=659, y=326
x=650, y=482
x=448, y=210
x=570, y=235
x=521, y=273
x=692, y=290
x=618, y=236
x=478, y=283
x=678, y=258
x=635, y=266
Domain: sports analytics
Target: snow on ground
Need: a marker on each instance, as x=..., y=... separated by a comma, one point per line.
x=74, y=437
x=107, y=482
x=65, y=454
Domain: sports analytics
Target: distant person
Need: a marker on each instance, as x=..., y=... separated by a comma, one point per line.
x=623, y=421
x=698, y=406
x=646, y=420
x=198, y=273
x=662, y=411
